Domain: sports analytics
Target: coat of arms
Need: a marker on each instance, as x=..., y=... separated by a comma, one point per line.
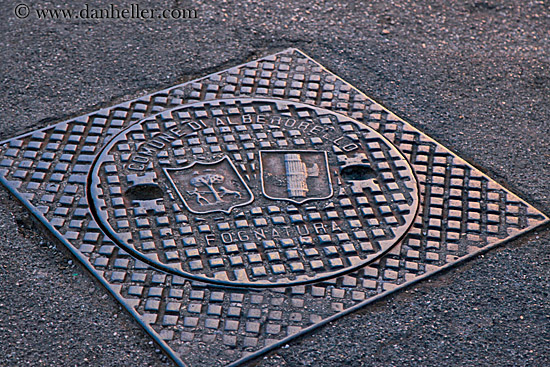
x=295, y=175
x=208, y=187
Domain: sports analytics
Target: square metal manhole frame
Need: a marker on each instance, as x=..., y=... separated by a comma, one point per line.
x=463, y=212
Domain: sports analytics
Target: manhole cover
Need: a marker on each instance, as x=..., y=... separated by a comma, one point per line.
x=235, y=212
x=253, y=192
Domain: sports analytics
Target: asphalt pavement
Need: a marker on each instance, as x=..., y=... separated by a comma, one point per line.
x=474, y=75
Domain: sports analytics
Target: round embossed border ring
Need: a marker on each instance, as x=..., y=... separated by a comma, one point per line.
x=253, y=192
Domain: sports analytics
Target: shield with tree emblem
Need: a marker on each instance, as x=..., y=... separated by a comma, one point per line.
x=208, y=187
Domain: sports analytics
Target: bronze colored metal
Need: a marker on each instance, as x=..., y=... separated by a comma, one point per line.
x=203, y=208
x=253, y=192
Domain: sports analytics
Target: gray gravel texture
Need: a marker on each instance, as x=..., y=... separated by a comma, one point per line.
x=474, y=75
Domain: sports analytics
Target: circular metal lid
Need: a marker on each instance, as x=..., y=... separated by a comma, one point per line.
x=253, y=192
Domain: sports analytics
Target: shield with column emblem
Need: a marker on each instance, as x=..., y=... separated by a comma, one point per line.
x=295, y=175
